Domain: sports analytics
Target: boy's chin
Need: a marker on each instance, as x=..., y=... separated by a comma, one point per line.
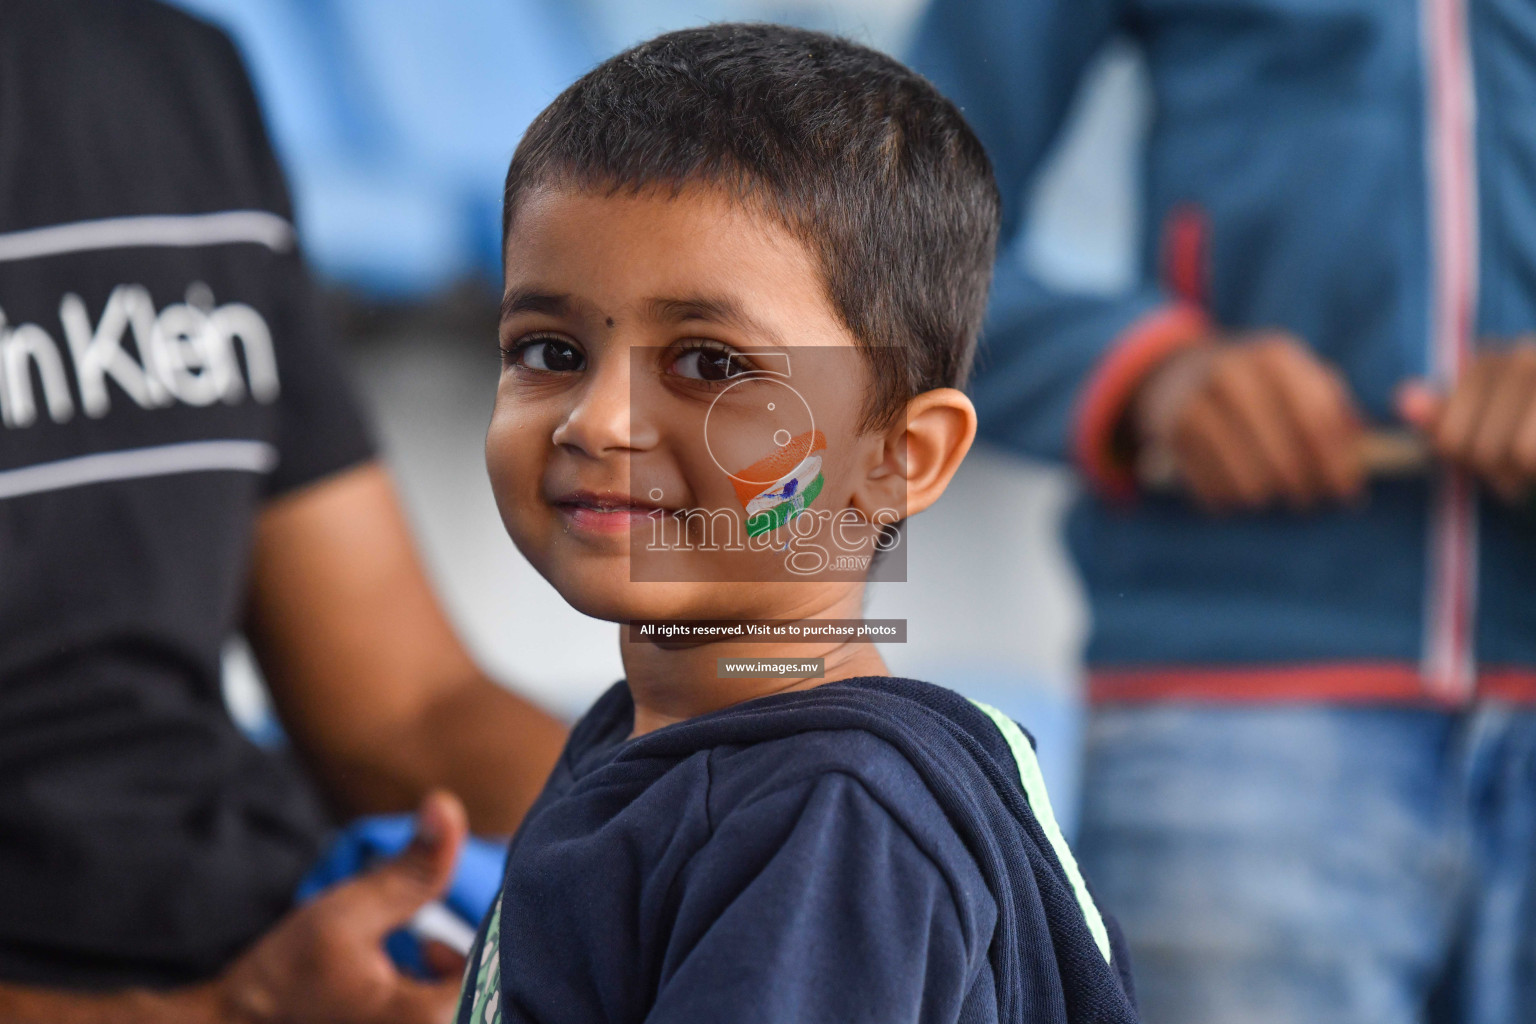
x=626, y=601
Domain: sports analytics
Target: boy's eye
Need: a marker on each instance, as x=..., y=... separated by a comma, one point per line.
x=552, y=355
x=710, y=363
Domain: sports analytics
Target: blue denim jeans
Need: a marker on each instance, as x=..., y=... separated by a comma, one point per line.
x=1316, y=864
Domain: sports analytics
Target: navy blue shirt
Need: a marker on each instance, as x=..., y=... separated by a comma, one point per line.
x=840, y=854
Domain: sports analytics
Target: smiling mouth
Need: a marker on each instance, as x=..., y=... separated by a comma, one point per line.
x=607, y=513
x=607, y=503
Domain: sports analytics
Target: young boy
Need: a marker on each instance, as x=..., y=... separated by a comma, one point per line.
x=745, y=270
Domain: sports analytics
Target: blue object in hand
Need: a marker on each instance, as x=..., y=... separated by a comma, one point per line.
x=476, y=880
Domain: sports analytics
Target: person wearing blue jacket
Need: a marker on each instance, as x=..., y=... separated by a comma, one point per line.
x=1311, y=782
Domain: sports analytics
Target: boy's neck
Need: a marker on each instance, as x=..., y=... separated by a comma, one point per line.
x=676, y=682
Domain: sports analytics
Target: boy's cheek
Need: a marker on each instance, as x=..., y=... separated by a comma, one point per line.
x=500, y=461
x=514, y=462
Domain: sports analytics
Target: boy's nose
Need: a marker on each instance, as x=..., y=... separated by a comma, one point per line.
x=602, y=420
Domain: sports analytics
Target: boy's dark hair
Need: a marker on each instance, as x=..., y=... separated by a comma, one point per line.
x=858, y=156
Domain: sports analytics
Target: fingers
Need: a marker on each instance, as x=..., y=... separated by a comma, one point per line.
x=1216, y=462
x=1524, y=451
x=1419, y=405
x=442, y=960
x=1508, y=398
x=1260, y=423
x=1452, y=434
x=390, y=894
x=424, y=1002
x=1268, y=422
x=1322, y=415
x=1488, y=422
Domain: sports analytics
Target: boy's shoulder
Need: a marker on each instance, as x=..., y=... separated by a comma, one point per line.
x=833, y=755
x=875, y=729
x=822, y=761
x=865, y=733
x=868, y=740
x=840, y=730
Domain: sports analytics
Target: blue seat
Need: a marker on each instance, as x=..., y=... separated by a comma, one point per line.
x=395, y=121
x=455, y=84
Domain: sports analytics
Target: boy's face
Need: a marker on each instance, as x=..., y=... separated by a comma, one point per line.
x=671, y=362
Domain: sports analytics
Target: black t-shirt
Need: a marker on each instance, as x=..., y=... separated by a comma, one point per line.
x=867, y=850
x=161, y=376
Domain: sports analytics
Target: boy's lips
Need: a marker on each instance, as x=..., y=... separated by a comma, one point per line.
x=605, y=512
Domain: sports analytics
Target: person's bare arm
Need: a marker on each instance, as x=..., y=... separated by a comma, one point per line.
x=22, y=1005
x=324, y=963
x=368, y=677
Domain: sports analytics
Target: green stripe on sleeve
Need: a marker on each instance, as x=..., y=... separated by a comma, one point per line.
x=1040, y=803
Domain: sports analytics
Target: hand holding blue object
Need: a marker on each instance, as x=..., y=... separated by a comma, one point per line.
x=451, y=920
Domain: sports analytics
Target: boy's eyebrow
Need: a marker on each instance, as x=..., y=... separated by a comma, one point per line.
x=531, y=300
x=712, y=310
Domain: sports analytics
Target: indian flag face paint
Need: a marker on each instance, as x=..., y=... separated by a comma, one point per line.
x=794, y=475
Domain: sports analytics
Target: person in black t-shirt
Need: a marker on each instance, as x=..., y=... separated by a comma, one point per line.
x=179, y=459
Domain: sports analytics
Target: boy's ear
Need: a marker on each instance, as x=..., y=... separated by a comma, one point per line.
x=921, y=452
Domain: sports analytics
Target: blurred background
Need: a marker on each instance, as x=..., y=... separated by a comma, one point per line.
x=396, y=119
